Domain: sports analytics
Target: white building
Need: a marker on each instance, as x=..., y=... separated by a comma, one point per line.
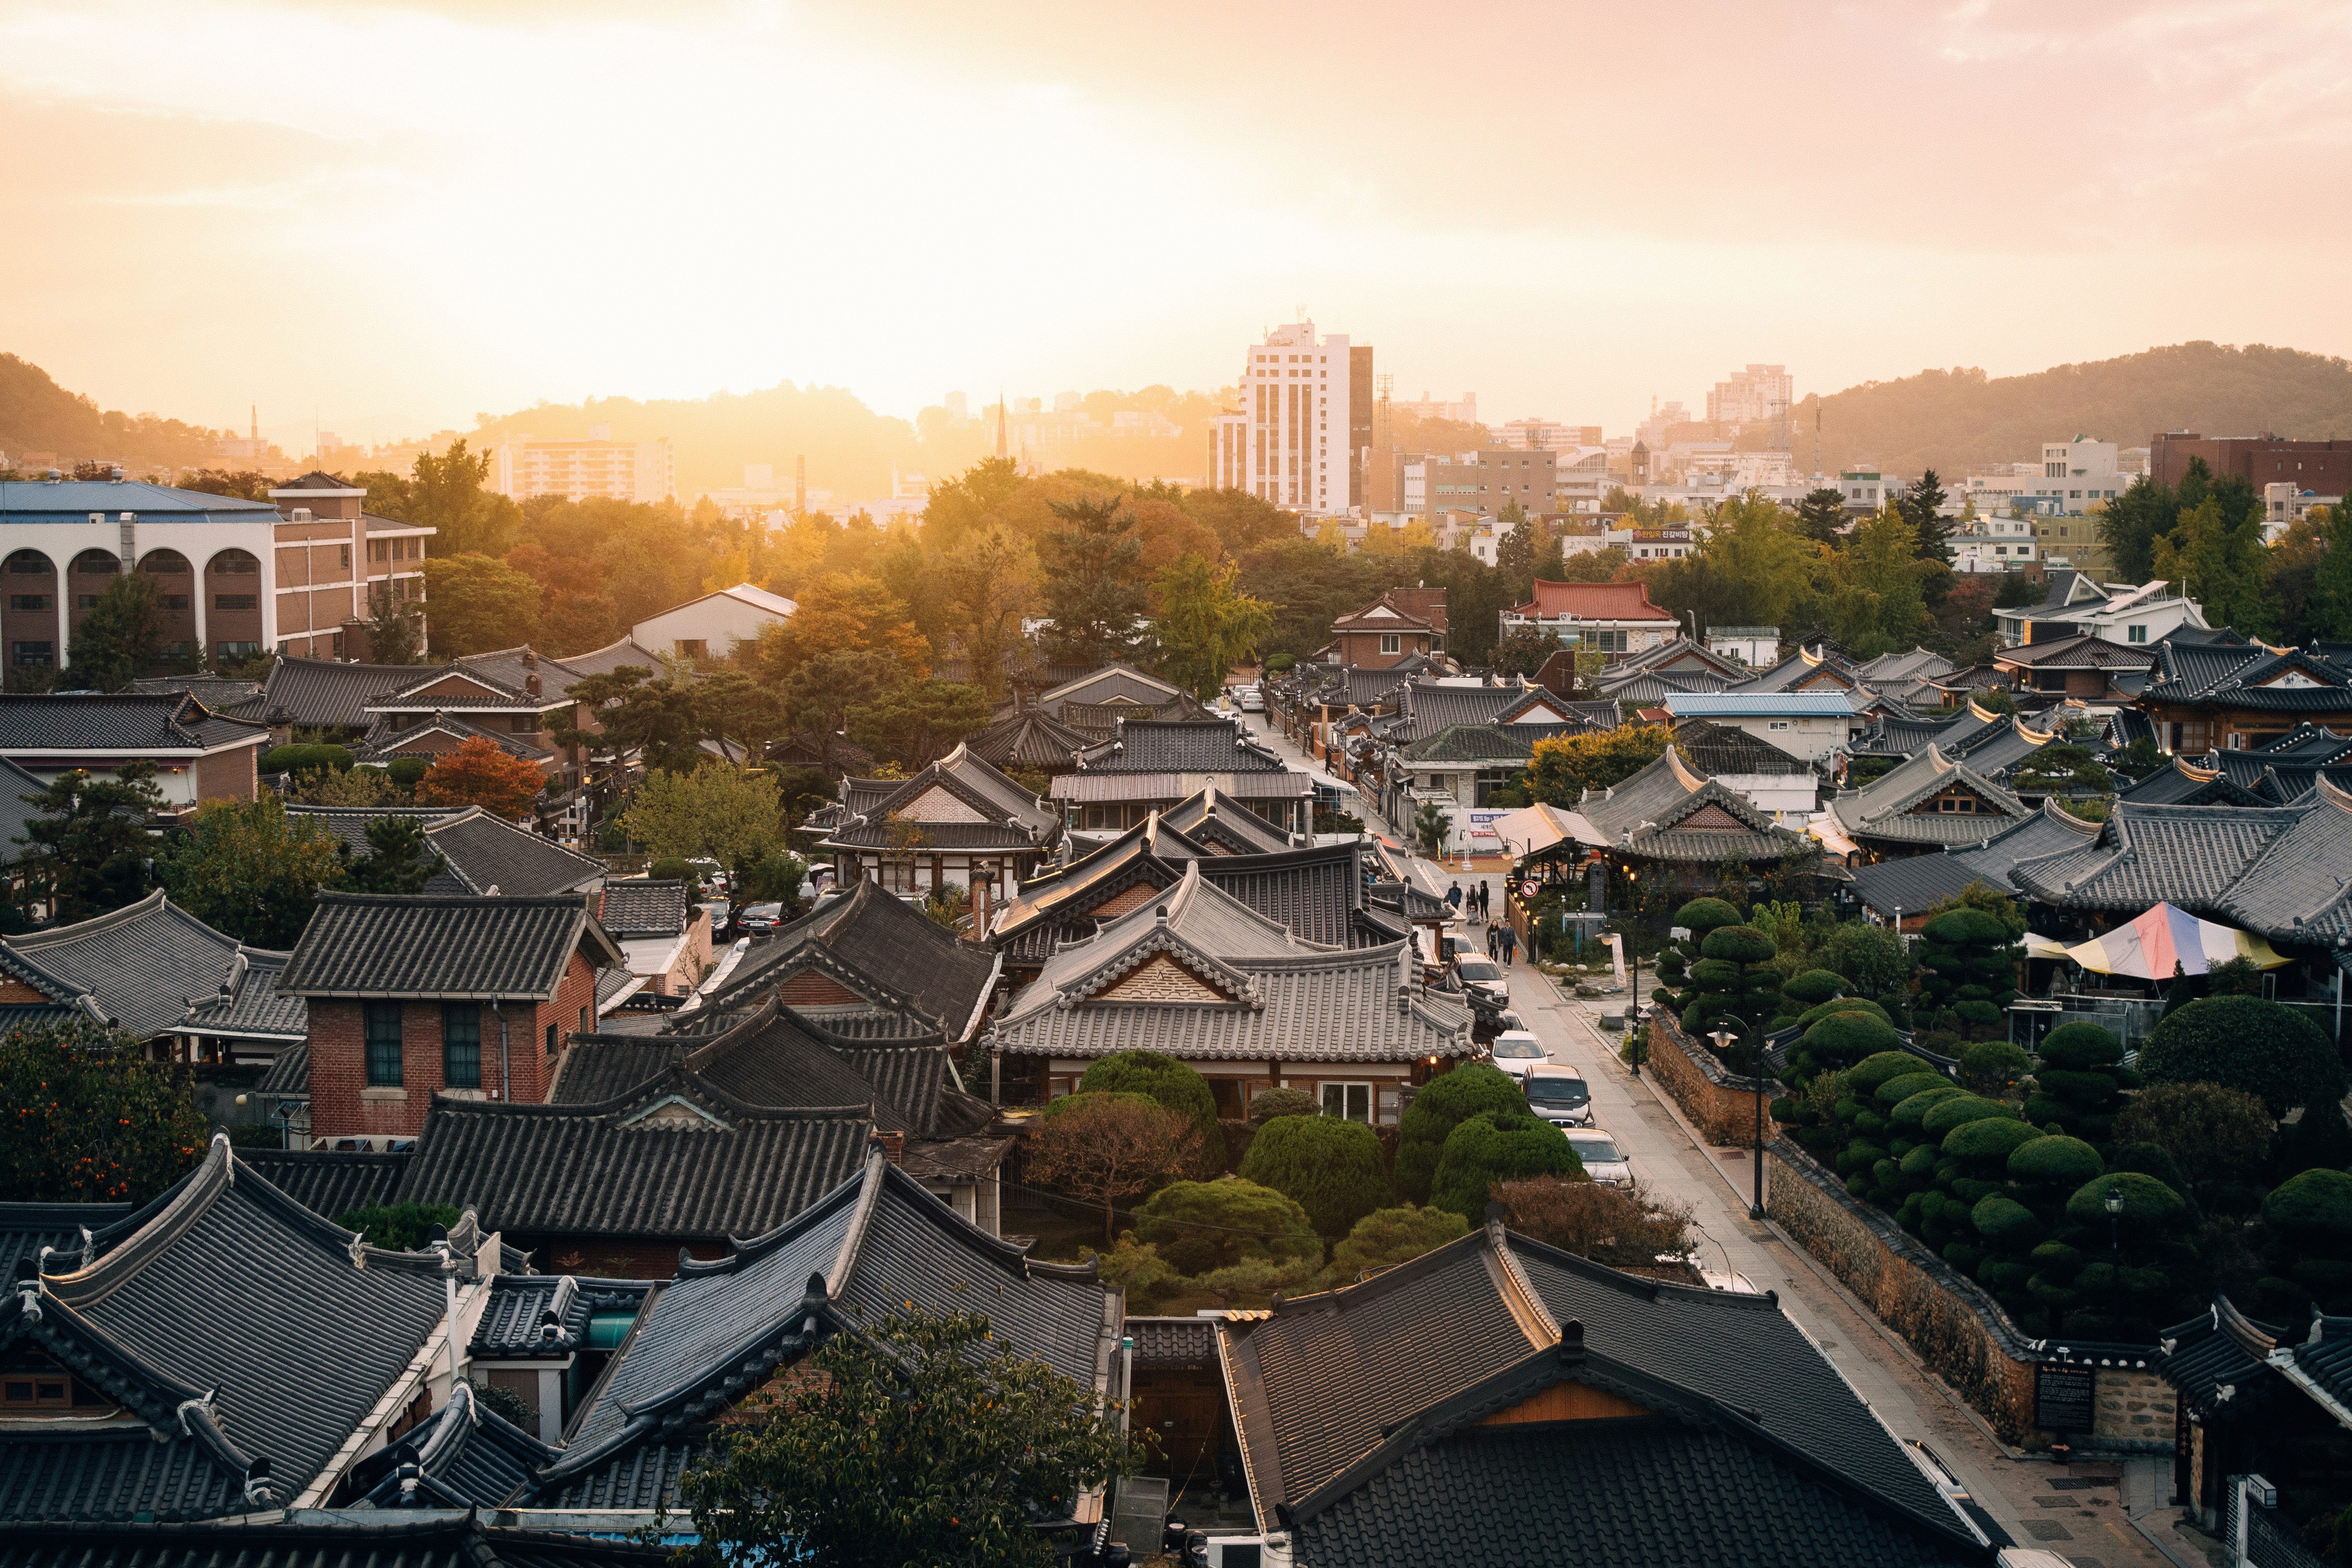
x=1867, y=489
x=2119, y=612
x=2284, y=505
x=711, y=626
x=1463, y=413
x=1758, y=648
x=523, y=466
x=1759, y=395
x=1807, y=725
x=1289, y=444
x=1991, y=544
x=2070, y=477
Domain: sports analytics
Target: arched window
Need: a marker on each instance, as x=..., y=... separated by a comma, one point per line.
x=96, y=564
x=30, y=563
x=235, y=563
x=163, y=563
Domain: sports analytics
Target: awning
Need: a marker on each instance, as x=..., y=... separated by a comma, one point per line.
x=1826, y=828
x=1534, y=827
x=2154, y=944
x=2040, y=946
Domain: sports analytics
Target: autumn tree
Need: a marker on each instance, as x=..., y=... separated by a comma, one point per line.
x=1105, y=1150
x=90, y=1119
x=1524, y=651
x=1565, y=766
x=1207, y=625
x=479, y=773
x=840, y=610
x=1619, y=1227
x=987, y=581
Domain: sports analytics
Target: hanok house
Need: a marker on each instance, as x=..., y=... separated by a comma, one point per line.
x=479, y=851
x=713, y=1347
x=776, y=1059
x=1400, y=622
x=1611, y=618
x=868, y=965
x=663, y=935
x=2187, y=855
x=1668, y=824
x=1150, y=766
x=415, y=997
x=198, y=754
x=958, y=823
x=545, y=1339
x=2086, y=666
x=1925, y=805
x=1033, y=740
x=2206, y=697
x=1497, y=1401
x=137, y=968
x=1198, y=976
x=1904, y=890
x=242, y=1354
x=2253, y=1399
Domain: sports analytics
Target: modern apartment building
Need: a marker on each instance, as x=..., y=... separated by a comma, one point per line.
x=1290, y=443
x=1487, y=480
x=2321, y=467
x=523, y=466
x=1759, y=395
x=67, y=540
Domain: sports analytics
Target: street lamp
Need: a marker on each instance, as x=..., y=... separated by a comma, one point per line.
x=1723, y=1039
x=2114, y=1204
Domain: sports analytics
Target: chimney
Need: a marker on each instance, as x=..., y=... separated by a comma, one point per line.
x=531, y=683
x=530, y=656
x=892, y=1144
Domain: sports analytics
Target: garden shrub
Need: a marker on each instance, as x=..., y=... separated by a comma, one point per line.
x=2219, y=1137
x=399, y=1228
x=1268, y=1103
x=2320, y=1139
x=2077, y=1081
x=1985, y=1145
x=1330, y=1164
x=1868, y=1074
x=1871, y=959
x=1388, y=1237
x=1198, y=1227
x=1864, y=1005
x=1496, y=1146
x=2148, y=1203
x=1173, y=1084
x=1993, y=1068
x=306, y=759
x=2055, y=1163
x=2242, y=1042
x=1895, y=1090
x=1444, y=1103
x=1843, y=1039
x=2313, y=1209
x=1813, y=987
x=1946, y=1114
x=407, y=771
x=1907, y=1113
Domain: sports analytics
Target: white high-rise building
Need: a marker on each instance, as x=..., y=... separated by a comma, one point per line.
x=522, y=466
x=1759, y=395
x=1289, y=444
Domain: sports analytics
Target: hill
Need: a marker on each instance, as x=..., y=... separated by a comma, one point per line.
x=36, y=414
x=1953, y=419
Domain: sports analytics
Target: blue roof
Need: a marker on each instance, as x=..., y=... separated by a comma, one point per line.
x=1740, y=704
x=72, y=501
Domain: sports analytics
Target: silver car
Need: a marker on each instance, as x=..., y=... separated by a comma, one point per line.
x=1558, y=1095
x=1603, y=1160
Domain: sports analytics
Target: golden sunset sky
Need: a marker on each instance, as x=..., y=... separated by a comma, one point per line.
x=400, y=213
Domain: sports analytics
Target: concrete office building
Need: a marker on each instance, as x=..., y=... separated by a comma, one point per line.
x=1290, y=443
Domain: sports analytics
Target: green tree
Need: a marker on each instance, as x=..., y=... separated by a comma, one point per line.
x=2223, y=564
x=1875, y=598
x=970, y=502
x=1430, y=827
x=988, y=579
x=917, y=723
x=1442, y=1104
x=821, y=693
x=399, y=1228
x=923, y=1438
x=90, y=1119
x=245, y=868
x=733, y=711
x=1496, y=1146
x=1822, y=514
x=88, y=850
x=1523, y=651
x=1919, y=505
x=1202, y=1227
x=2133, y=522
x=1565, y=766
x=1171, y=1083
x=398, y=858
x=1749, y=544
x=1330, y=1164
x=1091, y=569
x=1207, y=625
x=446, y=493
x=396, y=628
x=732, y=815
x=121, y=637
x=2265, y=1048
x=478, y=603
x=662, y=720
x=1386, y=1238
x=2331, y=589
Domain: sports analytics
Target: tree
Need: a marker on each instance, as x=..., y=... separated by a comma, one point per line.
x=1205, y=625
x=1873, y=592
x=920, y=1438
x=2133, y=522
x=1107, y=1149
x=1430, y=829
x=1203, y=1228
x=917, y=723
x=821, y=693
x=91, y=1120
x=1523, y=651
x=121, y=637
x=2242, y=1042
x=1821, y=516
x=1241, y=520
x=446, y=493
x=663, y=720
x=1331, y=1166
x=1621, y=1228
x=399, y=1228
x=2331, y=589
x=1496, y=1146
x=2214, y=1134
x=841, y=610
x=478, y=603
x=771, y=876
x=1920, y=504
x=988, y=586
x=1442, y=1104
x=88, y=847
x=479, y=773
x=2223, y=564
x=1169, y=1083
x=732, y=815
x=247, y=869
x=396, y=628
x=1871, y=957
x=1386, y=1238
x=1092, y=579
x=734, y=712
x=398, y=858
x=1565, y=766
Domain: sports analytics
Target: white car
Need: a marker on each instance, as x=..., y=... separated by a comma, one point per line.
x=1517, y=1051
x=1251, y=699
x=1603, y=1160
x=1484, y=976
x=1560, y=1095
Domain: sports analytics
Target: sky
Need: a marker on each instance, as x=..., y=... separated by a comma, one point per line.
x=398, y=215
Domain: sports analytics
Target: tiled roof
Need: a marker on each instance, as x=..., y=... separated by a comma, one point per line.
x=1883, y=808
x=610, y=657
x=16, y=784
x=247, y=1006
x=375, y=1540
x=1916, y=663
x=25, y=1228
x=479, y=850
x=1713, y=749
x=1686, y=656
x=869, y=934
x=139, y=964
x=330, y=1185
x=1352, y=686
x=2243, y=679
x=174, y=724
x=1657, y=685
x=2183, y=854
x=1915, y=882
x=1387, y=613
x=1095, y=720
x=2219, y=1349
x=866, y=1248
x=2183, y=783
x=1430, y=709
x=1592, y=602
x=1003, y=814
x=2322, y=1362
x=1029, y=738
x=1798, y=670
x=1485, y=742
x=1284, y=999
x=806, y=749
x=2298, y=888
x=1112, y=683
x=326, y=693
x=509, y=1326
x=1741, y=704
x=638, y=907
x=1174, y=1341
x=1207, y=746
x=706, y=1169
x=1642, y=816
x=218, y=693
x=271, y=1370
x=453, y=948
x=465, y=1455
x=390, y=738
x=2086, y=651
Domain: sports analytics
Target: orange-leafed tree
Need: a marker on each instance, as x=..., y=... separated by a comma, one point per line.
x=479, y=774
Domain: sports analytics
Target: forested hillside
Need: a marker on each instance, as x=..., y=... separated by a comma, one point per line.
x=1953, y=419
x=36, y=414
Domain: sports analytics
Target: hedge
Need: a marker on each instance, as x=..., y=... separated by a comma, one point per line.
x=1330, y=1164
x=304, y=759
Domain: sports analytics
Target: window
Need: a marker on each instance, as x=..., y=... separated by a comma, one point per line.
x=2136, y=633
x=553, y=1039
x=343, y=556
x=236, y=649
x=461, y=1045
x=32, y=655
x=1779, y=723
x=382, y=1020
x=237, y=602
x=1391, y=642
x=1350, y=1100
x=29, y=1382
x=172, y=601
x=28, y=601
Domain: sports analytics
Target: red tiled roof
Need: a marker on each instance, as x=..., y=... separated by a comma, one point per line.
x=1593, y=601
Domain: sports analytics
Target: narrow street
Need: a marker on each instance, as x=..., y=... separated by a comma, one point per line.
x=2085, y=1512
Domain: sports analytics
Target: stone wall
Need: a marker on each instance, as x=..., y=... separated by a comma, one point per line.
x=1721, y=1105
x=2135, y=1411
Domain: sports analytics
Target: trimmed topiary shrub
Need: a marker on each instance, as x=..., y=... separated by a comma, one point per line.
x=2005, y=1224
x=1388, y=1237
x=1201, y=1226
x=1813, y=987
x=2314, y=1209
x=1268, y=1103
x=1496, y=1146
x=1907, y=1113
x=1441, y=1106
x=2055, y=1161
x=1173, y=1085
x=1873, y=1072
x=1843, y=1039
x=2148, y=1203
x=2242, y=1042
x=2080, y=1047
x=1988, y=1141
x=1811, y=1015
x=1993, y=1068
x=406, y=771
x=1939, y=1119
x=1331, y=1166
x=1895, y=1090
x=1701, y=916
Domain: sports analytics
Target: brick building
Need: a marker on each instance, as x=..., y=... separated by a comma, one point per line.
x=2322, y=466
x=1401, y=623
x=416, y=996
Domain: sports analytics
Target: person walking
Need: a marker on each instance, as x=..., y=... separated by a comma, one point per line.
x=1485, y=900
x=1494, y=944
x=1510, y=944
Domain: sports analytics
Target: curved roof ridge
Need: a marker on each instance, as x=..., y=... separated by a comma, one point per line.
x=2331, y=793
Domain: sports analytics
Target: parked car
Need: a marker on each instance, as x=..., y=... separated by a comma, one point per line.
x=1603, y=1160
x=1484, y=976
x=1253, y=701
x=758, y=920
x=1517, y=1051
x=1558, y=1095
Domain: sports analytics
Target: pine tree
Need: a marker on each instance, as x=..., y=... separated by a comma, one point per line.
x=1092, y=572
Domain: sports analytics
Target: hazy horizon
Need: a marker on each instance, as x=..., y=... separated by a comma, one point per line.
x=402, y=215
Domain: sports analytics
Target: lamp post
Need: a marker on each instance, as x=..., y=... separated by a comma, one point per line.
x=2115, y=1202
x=1723, y=1039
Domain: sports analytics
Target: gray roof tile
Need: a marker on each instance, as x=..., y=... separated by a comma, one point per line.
x=329, y=1183
x=635, y=905
x=327, y=693
x=425, y=946
x=171, y=724
x=139, y=965
x=2184, y=854
x=904, y=956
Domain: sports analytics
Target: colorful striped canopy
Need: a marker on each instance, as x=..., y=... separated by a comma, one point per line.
x=2153, y=944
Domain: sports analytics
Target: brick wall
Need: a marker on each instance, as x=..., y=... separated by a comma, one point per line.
x=1721, y=1105
x=228, y=776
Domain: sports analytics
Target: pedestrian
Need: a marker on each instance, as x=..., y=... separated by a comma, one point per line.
x=1485, y=900
x=1510, y=945
x=1453, y=897
x=1493, y=943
